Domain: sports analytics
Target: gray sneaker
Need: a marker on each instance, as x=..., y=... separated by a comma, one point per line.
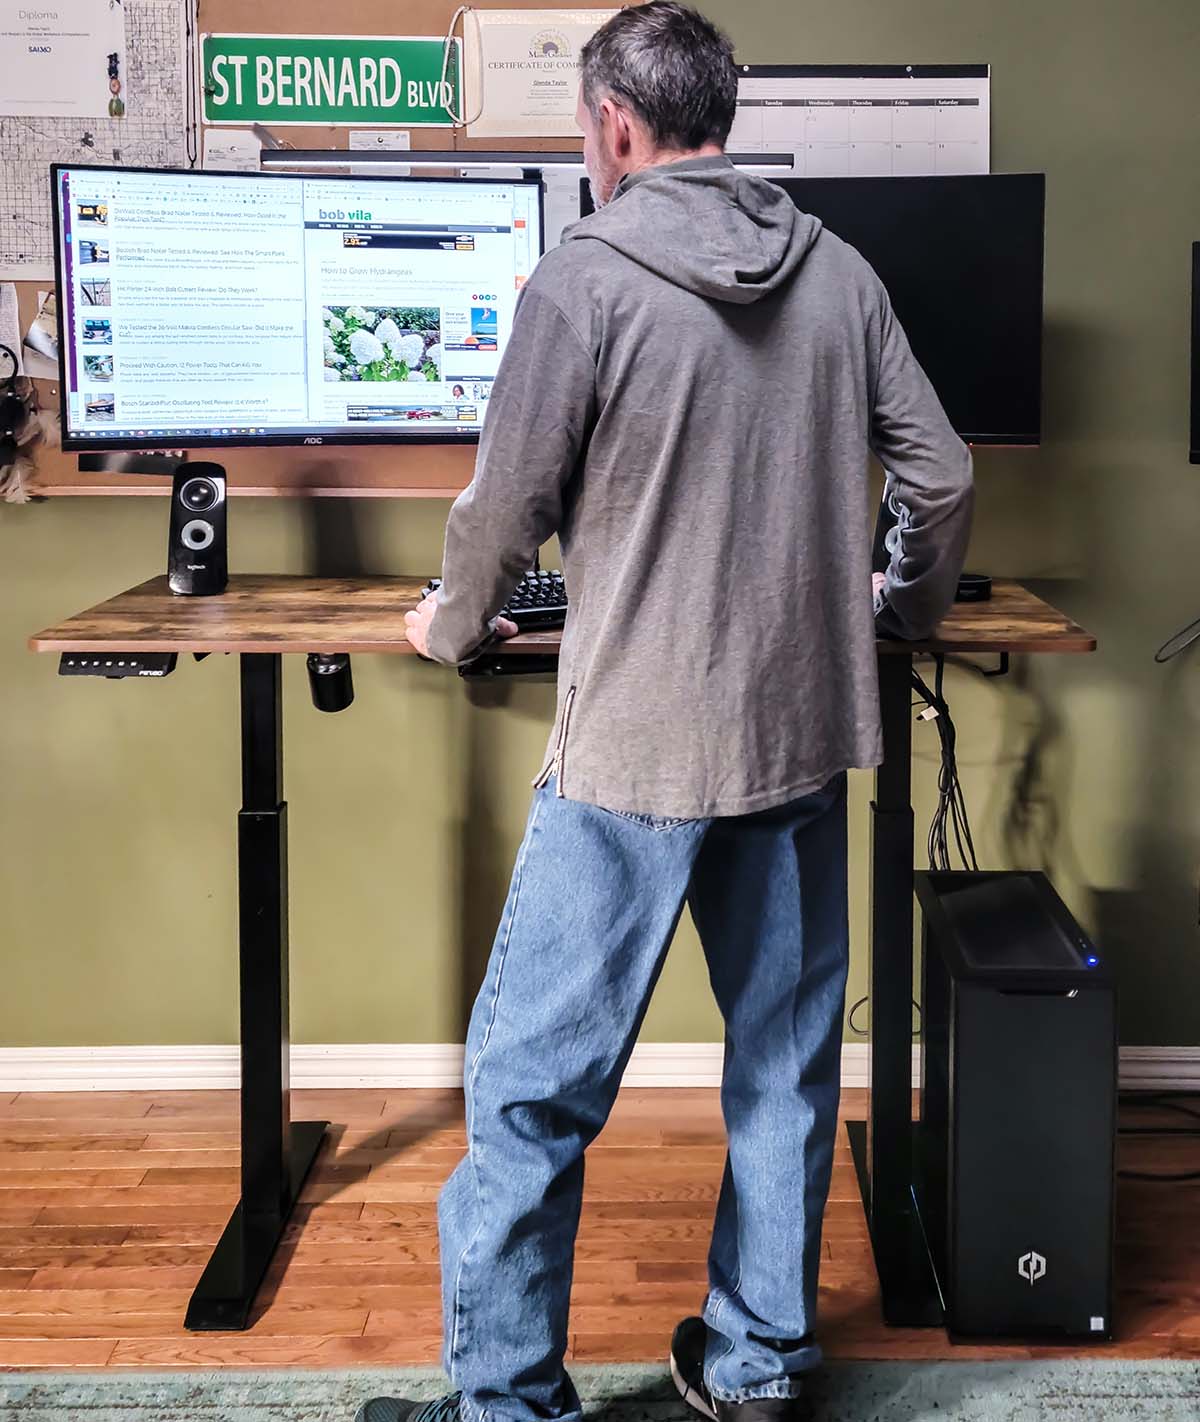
x=401, y=1409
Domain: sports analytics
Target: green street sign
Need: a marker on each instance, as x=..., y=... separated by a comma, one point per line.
x=380, y=80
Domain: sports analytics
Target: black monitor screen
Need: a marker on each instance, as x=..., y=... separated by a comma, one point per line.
x=961, y=258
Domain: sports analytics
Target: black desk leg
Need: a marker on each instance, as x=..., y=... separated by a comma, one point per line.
x=883, y=1147
x=276, y=1151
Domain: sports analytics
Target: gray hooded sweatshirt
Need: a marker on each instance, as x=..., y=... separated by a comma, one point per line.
x=694, y=382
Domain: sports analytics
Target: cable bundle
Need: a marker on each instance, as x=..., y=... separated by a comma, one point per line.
x=950, y=825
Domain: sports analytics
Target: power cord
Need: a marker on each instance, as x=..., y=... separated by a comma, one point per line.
x=863, y=1031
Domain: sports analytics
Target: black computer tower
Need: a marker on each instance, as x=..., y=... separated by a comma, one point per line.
x=1014, y=1153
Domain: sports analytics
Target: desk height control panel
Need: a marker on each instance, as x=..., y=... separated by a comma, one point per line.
x=116, y=664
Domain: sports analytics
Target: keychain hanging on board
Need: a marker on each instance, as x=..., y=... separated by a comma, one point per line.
x=116, y=105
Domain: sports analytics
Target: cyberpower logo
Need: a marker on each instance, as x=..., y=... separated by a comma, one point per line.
x=1031, y=1266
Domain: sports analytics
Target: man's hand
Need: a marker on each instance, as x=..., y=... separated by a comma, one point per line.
x=416, y=624
x=877, y=581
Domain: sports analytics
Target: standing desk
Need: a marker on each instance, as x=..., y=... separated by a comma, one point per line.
x=263, y=617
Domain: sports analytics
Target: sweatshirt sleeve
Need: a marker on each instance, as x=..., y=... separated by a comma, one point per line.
x=929, y=482
x=538, y=421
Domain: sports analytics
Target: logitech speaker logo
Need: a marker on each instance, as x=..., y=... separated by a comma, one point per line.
x=1031, y=1266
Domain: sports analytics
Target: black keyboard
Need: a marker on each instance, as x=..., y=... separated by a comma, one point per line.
x=539, y=601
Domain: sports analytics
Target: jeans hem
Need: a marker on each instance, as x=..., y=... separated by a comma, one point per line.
x=786, y=1388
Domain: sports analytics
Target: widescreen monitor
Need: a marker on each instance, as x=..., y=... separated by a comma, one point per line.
x=961, y=258
x=203, y=309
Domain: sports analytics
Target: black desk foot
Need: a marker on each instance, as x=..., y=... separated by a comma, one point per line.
x=911, y=1298
x=227, y=1288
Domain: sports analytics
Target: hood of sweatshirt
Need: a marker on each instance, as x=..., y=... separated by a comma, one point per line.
x=705, y=226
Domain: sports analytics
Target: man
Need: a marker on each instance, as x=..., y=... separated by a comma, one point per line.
x=694, y=382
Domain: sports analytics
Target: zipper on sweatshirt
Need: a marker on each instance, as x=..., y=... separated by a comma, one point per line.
x=555, y=765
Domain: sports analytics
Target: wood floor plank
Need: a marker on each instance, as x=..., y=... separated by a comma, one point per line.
x=16, y=1181
x=102, y=1259
x=128, y=1214
x=55, y=1353
x=64, y=1303
x=60, y=1144
x=58, y=1237
x=54, y=1128
x=289, y=1322
x=228, y=1177
x=75, y=1105
x=225, y=1350
x=83, y=1162
x=23, y=1213
x=150, y=1278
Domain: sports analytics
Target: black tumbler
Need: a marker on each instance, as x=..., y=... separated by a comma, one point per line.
x=330, y=680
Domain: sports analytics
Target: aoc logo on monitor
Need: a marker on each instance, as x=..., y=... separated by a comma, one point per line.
x=313, y=439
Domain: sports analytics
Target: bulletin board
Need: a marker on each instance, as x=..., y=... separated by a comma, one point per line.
x=379, y=471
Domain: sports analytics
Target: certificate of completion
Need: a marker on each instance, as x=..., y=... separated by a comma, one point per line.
x=62, y=58
x=521, y=70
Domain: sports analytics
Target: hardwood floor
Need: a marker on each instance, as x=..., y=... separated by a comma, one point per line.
x=110, y=1204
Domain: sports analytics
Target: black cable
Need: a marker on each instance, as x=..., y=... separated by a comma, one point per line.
x=191, y=61
x=1160, y=1101
x=950, y=820
x=1164, y=1179
x=1180, y=642
x=1190, y=1131
x=863, y=1031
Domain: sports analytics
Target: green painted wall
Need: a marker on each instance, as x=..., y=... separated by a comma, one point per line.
x=117, y=802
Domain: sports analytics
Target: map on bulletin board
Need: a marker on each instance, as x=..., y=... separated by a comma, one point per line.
x=152, y=133
x=866, y=120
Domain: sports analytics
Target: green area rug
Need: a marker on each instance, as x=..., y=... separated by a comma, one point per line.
x=1070, y=1391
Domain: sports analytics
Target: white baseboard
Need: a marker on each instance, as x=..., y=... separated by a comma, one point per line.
x=397, y=1066
x=1160, y=1068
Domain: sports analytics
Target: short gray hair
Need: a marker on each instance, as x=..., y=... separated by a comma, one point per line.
x=668, y=64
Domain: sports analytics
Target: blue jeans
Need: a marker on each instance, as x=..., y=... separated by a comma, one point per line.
x=594, y=901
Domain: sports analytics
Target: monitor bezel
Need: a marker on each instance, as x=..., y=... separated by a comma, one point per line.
x=79, y=444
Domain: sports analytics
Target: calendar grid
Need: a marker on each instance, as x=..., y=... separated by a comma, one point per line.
x=885, y=120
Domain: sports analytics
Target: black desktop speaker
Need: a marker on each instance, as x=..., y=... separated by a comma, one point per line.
x=1014, y=1152
x=197, y=555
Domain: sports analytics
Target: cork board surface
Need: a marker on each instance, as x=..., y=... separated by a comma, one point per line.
x=422, y=471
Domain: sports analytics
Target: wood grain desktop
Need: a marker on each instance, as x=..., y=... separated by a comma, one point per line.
x=294, y=613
